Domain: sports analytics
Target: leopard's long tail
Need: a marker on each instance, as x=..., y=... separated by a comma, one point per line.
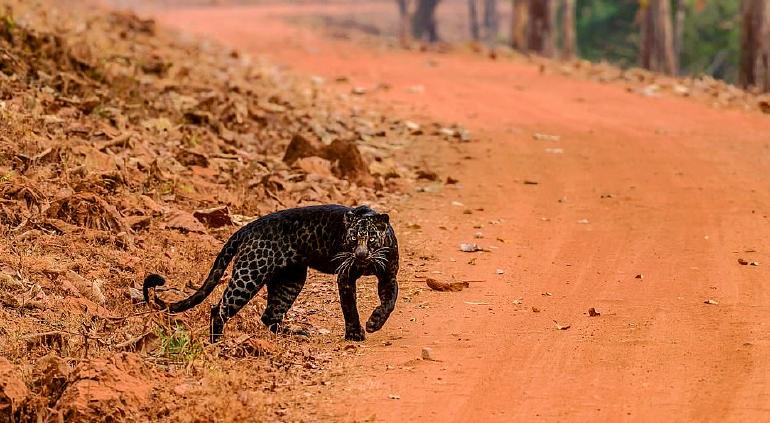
x=215, y=274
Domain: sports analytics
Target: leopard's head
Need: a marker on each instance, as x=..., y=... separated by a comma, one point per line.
x=365, y=239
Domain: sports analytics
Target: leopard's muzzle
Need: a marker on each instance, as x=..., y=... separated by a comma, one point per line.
x=361, y=252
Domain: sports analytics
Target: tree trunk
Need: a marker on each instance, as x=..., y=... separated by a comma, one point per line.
x=645, y=39
x=679, y=15
x=657, y=46
x=540, y=32
x=473, y=19
x=403, y=23
x=490, y=22
x=755, y=44
x=569, y=47
x=519, y=19
x=424, y=22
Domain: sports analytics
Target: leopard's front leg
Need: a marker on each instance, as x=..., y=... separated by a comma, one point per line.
x=387, y=290
x=347, y=286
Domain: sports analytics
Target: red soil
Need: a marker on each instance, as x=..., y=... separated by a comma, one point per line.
x=689, y=195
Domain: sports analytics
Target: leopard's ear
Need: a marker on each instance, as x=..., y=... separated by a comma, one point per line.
x=349, y=217
x=381, y=220
x=363, y=211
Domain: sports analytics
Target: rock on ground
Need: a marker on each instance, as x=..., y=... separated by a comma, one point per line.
x=106, y=389
x=13, y=391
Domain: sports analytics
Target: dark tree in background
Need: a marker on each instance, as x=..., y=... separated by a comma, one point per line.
x=680, y=13
x=519, y=18
x=424, y=21
x=473, y=19
x=569, y=46
x=755, y=44
x=536, y=24
x=403, y=21
x=656, y=51
x=540, y=27
x=490, y=22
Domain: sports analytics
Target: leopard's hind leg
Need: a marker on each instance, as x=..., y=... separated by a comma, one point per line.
x=246, y=281
x=282, y=291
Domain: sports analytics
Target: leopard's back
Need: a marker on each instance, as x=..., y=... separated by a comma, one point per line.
x=310, y=235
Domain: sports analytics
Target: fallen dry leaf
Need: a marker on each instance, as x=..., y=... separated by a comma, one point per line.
x=185, y=222
x=427, y=354
x=91, y=289
x=764, y=106
x=191, y=158
x=135, y=295
x=427, y=175
x=215, y=217
x=446, y=286
x=145, y=342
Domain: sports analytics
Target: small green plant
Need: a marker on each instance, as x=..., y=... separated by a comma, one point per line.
x=8, y=22
x=177, y=344
x=192, y=140
x=101, y=111
x=185, y=188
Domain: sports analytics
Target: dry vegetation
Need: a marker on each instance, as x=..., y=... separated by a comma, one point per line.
x=125, y=150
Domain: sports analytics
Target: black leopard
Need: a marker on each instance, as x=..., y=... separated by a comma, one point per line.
x=277, y=249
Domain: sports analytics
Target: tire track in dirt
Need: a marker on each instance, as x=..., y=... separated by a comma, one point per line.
x=689, y=195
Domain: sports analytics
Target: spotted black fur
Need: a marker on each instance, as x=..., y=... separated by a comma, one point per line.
x=277, y=249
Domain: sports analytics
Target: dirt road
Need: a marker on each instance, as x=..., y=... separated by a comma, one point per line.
x=673, y=190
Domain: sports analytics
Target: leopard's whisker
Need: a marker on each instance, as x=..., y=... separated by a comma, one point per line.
x=340, y=256
x=347, y=261
x=341, y=265
x=348, y=266
x=380, y=263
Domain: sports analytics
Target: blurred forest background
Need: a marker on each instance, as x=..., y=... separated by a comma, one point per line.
x=725, y=39
x=610, y=30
